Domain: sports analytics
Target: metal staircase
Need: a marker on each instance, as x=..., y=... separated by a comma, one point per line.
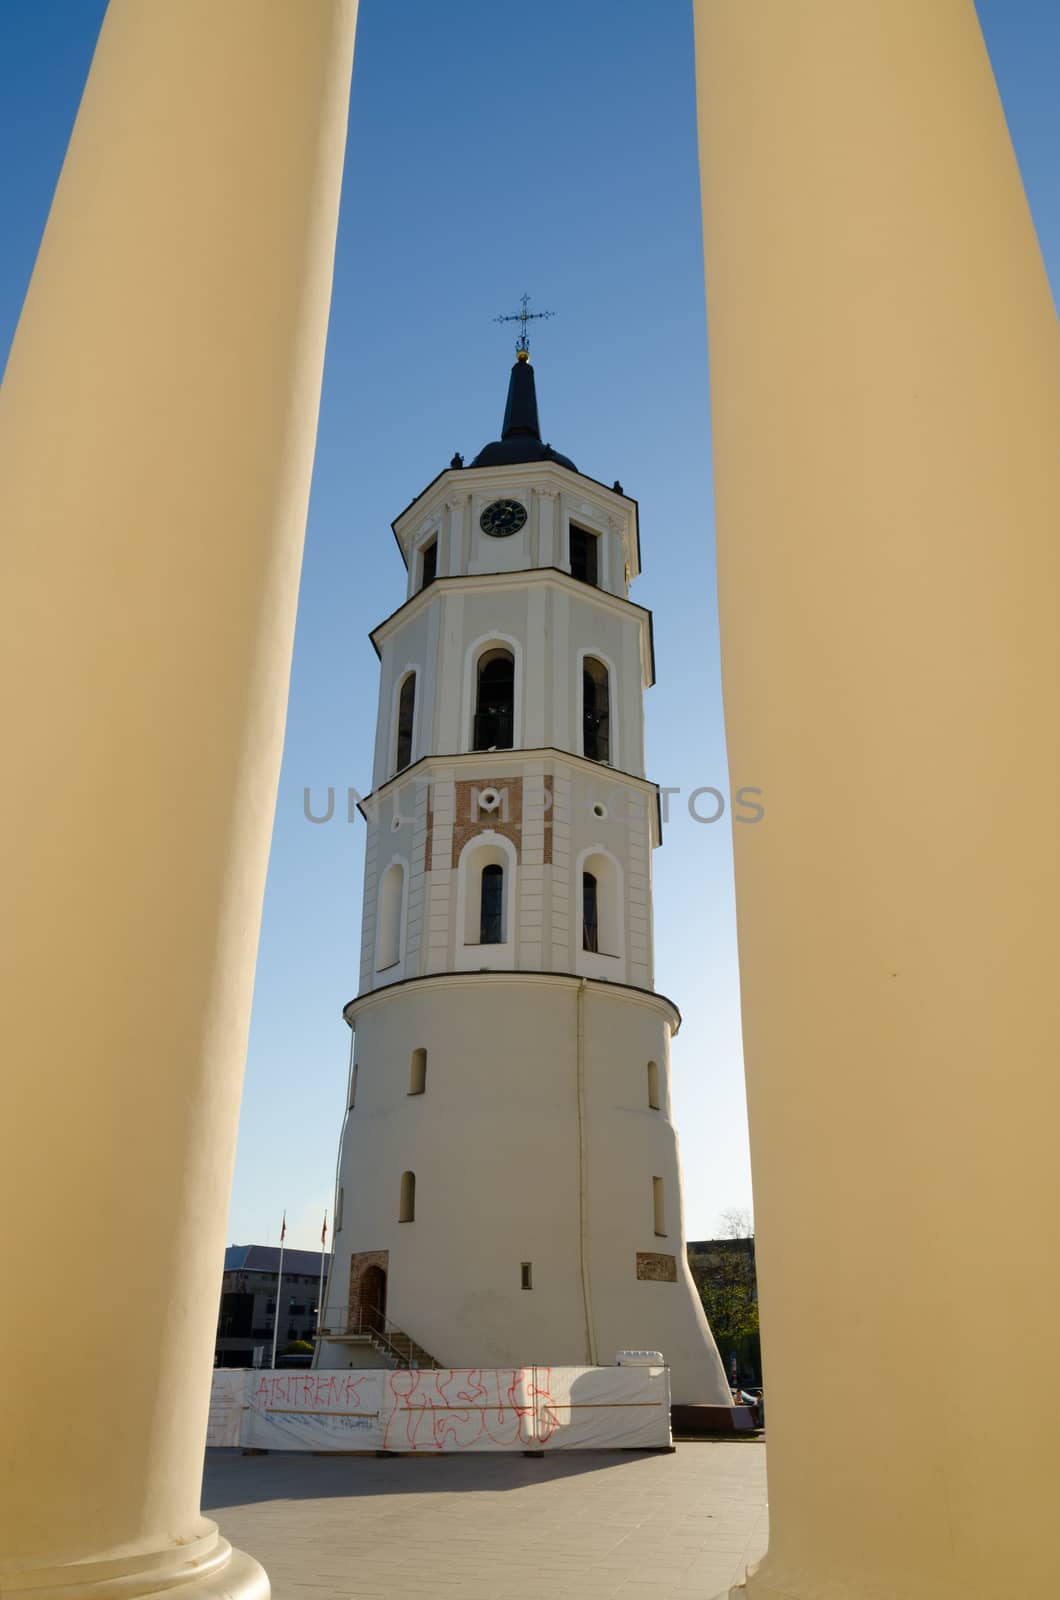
x=391, y=1342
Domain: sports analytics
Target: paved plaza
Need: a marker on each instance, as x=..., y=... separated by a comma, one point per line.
x=578, y=1526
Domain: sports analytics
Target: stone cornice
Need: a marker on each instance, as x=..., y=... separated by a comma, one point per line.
x=467, y=479
x=544, y=980
x=517, y=759
x=484, y=581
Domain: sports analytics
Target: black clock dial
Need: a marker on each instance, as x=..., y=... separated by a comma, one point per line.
x=501, y=518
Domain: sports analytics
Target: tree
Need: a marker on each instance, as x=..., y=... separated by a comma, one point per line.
x=724, y=1274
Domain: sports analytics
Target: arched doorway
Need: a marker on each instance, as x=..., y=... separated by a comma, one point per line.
x=373, y=1297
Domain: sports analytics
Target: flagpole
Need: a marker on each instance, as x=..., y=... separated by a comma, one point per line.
x=279, y=1287
x=323, y=1252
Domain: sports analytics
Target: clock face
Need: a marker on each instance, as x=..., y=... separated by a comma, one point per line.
x=502, y=518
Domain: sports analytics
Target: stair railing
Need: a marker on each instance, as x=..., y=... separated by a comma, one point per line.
x=370, y=1323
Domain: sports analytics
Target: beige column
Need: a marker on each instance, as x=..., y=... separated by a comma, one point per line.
x=157, y=437
x=885, y=379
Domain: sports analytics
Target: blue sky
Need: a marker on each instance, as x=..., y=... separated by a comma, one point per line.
x=493, y=149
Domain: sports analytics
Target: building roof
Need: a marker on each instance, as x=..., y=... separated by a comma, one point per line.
x=520, y=438
x=266, y=1258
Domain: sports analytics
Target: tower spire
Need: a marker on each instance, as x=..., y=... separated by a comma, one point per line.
x=520, y=411
x=520, y=438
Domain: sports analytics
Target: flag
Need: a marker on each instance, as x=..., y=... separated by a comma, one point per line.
x=324, y=1231
x=283, y=1229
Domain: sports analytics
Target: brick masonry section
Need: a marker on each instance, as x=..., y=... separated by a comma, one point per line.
x=360, y=1261
x=546, y=783
x=656, y=1268
x=507, y=820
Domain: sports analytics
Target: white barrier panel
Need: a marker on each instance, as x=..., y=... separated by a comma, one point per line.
x=606, y=1408
x=227, y=1399
x=526, y=1408
x=426, y=1412
x=454, y=1410
x=313, y=1410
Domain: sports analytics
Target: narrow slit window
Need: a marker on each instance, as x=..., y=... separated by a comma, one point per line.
x=596, y=710
x=428, y=564
x=653, y=1086
x=391, y=894
x=406, y=717
x=338, y=1214
x=584, y=564
x=590, y=913
x=353, y=1085
x=407, y=1210
x=491, y=915
x=526, y=1274
x=658, y=1200
x=418, y=1072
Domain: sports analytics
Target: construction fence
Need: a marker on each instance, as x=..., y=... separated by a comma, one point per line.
x=427, y=1411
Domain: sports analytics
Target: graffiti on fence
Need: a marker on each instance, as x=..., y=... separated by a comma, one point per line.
x=501, y=1408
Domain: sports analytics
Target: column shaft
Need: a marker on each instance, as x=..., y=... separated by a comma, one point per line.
x=159, y=419
x=885, y=379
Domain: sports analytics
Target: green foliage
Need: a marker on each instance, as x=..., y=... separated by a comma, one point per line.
x=298, y=1347
x=725, y=1278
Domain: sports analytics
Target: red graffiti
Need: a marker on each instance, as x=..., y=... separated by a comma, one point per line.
x=463, y=1409
x=310, y=1392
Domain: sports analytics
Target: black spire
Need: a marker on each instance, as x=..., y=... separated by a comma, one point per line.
x=520, y=438
x=520, y=414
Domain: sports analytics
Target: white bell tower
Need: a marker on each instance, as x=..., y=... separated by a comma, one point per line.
x=509, y=1186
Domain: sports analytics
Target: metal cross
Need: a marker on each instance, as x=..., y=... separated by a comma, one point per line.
x=524, y=316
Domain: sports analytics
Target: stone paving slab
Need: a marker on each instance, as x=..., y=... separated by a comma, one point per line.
x=590, y=1525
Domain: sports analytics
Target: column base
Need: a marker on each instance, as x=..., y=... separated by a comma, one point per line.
x=754, y=1587
x=217, y=1572
x=749, y=1589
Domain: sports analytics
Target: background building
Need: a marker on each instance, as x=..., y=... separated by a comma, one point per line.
x=249, y=1297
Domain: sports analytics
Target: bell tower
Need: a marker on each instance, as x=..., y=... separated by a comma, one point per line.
x=509, y=1185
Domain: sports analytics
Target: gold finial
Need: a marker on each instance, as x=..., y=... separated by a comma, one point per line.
x=523, y=355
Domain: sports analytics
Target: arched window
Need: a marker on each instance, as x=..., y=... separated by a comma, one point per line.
x=596, y=710
x=418, y=1072
x=429, y=563
x=406, y=714
x=486, y=909
x=407, y=1211
x=388, y=929
x=653, y=1086
x=584, y=550
x=590, y=913
x=495, y=701
x=491, y=907
x=602, y=905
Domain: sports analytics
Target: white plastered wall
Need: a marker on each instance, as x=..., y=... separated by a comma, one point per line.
x=550, y=626
x=499, y=1177
x=592, y=810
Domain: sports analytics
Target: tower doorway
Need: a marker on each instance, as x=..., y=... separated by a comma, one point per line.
x=373, y=1297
